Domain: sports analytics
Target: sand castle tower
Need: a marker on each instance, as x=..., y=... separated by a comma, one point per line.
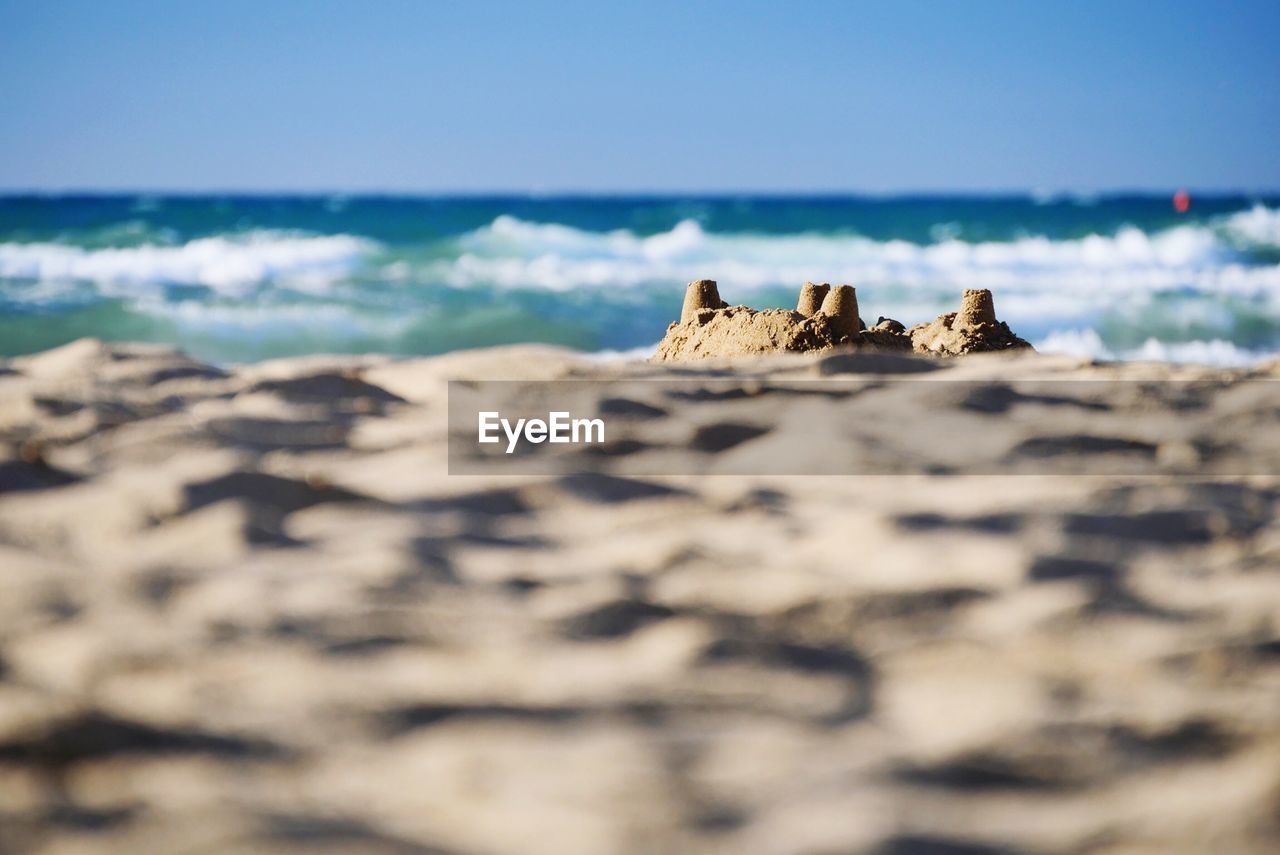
x=811, y=297
x=977, y=307
x=702, y=294
x=973, y=329
x=841, y=305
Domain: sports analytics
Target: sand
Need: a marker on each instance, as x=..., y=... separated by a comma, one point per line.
x=246, y=610
x=973, y=329
x=825, y=318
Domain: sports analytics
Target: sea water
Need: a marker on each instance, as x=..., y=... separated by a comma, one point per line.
x=235, y=278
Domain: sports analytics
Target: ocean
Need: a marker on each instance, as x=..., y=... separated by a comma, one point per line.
x=243, y=278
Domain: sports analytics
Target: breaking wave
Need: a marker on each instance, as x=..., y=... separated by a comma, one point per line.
x=1087, y=343
x=229, y=264
x=1208, y=259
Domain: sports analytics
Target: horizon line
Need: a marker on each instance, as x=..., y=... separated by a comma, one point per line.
x=1036, y=192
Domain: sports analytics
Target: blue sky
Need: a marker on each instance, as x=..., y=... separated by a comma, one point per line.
x=654, y=96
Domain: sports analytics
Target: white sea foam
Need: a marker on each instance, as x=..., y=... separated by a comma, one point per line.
x=516, y=253
x=1075, y=342
x=1213, y=352
x=1259, y=226
x=632, y=354
x=1087, y=343
x=228, y=264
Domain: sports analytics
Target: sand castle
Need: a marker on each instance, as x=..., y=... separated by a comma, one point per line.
x=825, y=317
x=973, y=329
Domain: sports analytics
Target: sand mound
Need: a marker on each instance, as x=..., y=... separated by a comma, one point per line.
x=973, y=329
x=824, y=318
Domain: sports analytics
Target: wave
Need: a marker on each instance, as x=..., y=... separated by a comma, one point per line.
x=1214, y=257
x=1202, y=291
x=1211, y=259
x=1257, y=227
x=1087, y=343
x=229, y=264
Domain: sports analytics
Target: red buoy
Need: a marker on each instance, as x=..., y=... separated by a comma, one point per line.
x=1182, y=201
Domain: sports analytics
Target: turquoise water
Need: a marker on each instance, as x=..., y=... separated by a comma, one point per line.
x=233, y=278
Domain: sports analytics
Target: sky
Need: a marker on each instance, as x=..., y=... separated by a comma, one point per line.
x=418, y=97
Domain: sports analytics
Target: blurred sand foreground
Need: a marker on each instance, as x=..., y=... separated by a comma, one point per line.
x=247, y=611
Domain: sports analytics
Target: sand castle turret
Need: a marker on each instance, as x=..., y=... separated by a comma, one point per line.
x=841, y=306
x=977, y=307
x=811, y=297
x=973, y=329
x=702, y=294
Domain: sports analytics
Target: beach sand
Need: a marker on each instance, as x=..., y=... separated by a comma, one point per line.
x=247, y=610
